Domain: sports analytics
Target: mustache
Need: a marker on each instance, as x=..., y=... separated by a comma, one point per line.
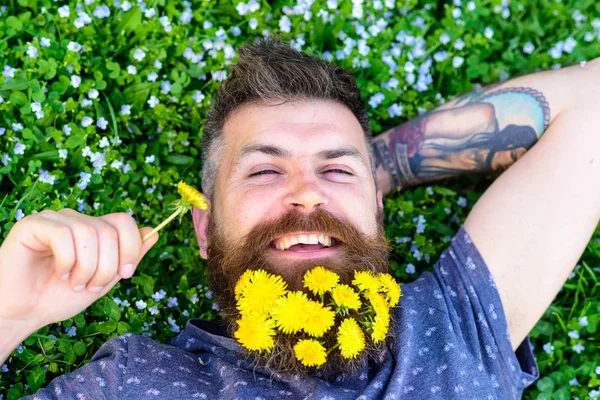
x=320, y=220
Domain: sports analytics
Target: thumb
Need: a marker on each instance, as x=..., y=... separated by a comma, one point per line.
x=148, y=243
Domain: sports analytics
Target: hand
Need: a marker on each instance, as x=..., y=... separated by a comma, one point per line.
x=55, y=264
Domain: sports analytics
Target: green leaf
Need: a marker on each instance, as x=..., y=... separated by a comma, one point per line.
x=107, y=327
x=131, y=21
x=123, y=327
x=546, y=384
x=79, y=348
x=18, y=98
x=146, y=282
x=36, y=378
x=111, y=309
x=179, y=159
x=75, y=140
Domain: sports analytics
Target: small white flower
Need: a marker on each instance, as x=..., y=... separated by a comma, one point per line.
x=152, y=76
x=17, y=127
x=32, y=52
x=1, y=99
x=285, y=24
x=86, y=121
x=462, y=202
x=102, y=123
x=242, y=8
x=253, y=23
x=150, y=159
x=62, y=153
x=548, y=348
x=75, y=81
x=410, y=269
x=103, y=142
x=457, y=61
x=444, y=38
x=39, y=114
x=126, y=6
x=456, y=13
x=140, y=304
x=236, y=31
x=19, y=149
x=101, y=12
x=139, y=54
x=528, y=48
x=583, y=321
x=19, y=214
x=93, y=94
x=157, y=64
x=488, y=32
x=574, y=334
x=36, y=106
x=471, y=6
x=153, y=101
x=198, y=97
x=578, y=348
x=64, y=11
x=459, y=44
x=86, y=103
x=394, y=110
x=125, y=109
x=66, y=129
x=74, y=46
x=165, y=87
x=151, y=12
x=45, y=42
x=131, y=70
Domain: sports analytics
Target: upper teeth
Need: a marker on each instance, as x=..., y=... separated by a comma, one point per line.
x=285, y=242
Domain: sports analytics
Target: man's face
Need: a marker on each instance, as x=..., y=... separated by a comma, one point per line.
x=292, y=173
x=280, y=172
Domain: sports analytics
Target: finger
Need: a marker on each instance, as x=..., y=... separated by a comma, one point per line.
x=85, y=239
x=130, y=241
x=108, y=256
x=41, y=234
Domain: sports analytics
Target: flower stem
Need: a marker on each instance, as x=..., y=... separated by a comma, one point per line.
x=162, y=224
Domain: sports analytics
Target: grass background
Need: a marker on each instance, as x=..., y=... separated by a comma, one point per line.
x=131, y=161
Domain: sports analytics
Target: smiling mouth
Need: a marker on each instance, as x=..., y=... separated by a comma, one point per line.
x=303, y=243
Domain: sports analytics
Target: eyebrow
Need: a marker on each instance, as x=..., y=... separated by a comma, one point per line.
x=274, y=151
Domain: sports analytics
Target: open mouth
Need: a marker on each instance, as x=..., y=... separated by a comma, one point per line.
x=305, y=243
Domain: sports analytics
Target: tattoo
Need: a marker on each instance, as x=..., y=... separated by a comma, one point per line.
x=485, y=130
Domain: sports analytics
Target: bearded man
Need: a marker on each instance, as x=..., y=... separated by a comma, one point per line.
x=294, y=179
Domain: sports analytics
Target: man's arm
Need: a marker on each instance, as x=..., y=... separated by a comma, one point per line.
x=534, y=222
x=482, y=131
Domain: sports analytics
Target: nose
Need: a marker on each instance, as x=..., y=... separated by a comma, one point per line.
x=305, y=193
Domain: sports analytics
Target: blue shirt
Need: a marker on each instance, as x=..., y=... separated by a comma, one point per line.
x=452, y=342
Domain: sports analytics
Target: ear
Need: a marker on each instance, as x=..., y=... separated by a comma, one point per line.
x=201, y=218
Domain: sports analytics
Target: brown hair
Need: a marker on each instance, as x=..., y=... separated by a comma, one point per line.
x=270, y=70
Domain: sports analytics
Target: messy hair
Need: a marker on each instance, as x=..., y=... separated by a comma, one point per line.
x=269, y=70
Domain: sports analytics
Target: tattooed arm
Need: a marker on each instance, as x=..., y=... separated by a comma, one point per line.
x=486, y=130
x=535, y=220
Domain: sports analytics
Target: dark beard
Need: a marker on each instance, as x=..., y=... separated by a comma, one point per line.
x=227, y=261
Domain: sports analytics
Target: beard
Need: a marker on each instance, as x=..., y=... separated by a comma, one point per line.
x=228, y=260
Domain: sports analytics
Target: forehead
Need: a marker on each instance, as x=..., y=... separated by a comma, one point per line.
x=303, y=128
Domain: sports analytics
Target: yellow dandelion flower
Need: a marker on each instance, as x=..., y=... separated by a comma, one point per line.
x=310, y=353
x=189, y=197
x=318, y=319
x=380, y=326
x=261, y=293
x=345, y=296
x=380, y=305
x=255, y=332
x=242, y=283
x=365, y=280
x=320, y=280
x=351, y=338
x=289, y=312
x=192, y=195
x=391, y=288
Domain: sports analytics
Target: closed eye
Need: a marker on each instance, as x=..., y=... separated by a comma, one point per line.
x=266, y=172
